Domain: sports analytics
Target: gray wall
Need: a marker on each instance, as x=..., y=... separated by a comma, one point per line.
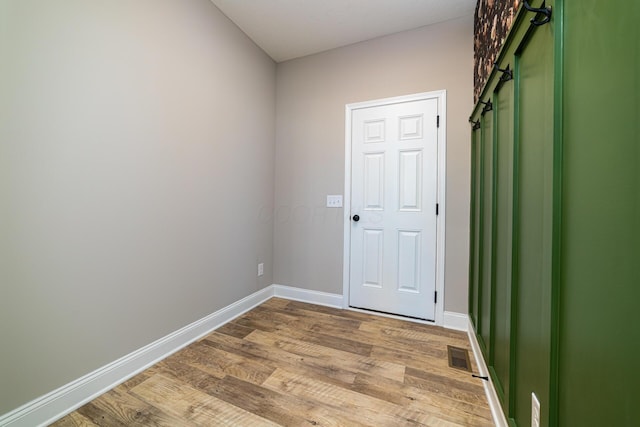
x=311, y=96
x=137, y=146
x=136, y=167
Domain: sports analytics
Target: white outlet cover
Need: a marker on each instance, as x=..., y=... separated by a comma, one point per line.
x=334, y=201
x=260, y=269
x=535, y=411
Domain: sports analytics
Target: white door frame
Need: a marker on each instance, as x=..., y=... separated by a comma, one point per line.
x=441, y=96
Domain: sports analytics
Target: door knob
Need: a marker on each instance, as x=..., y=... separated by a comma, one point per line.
x=356, y=218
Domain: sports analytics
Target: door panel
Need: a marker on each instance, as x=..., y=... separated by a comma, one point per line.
x=474, y=274
x=409, y=261
x=503, y=236
x=534, y=76
x=394, y=193
x=486, y=258
x=410, y=187
x=600, y=216
x=374, y=181
x=372, y=257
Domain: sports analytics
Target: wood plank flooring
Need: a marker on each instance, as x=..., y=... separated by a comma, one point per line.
x=287, y=363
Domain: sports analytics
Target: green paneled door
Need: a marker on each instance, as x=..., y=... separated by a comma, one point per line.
x=599, y=381
x=503, y=235
x=474, y=273
x=555, y=283
x=533, y=221
x=486, y=259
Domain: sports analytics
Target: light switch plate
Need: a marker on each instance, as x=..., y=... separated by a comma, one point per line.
x=334, y=201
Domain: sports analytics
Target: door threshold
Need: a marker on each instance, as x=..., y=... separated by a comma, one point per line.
x=392, y=315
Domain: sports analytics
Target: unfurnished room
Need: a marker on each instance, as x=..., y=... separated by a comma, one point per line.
x=319, y=213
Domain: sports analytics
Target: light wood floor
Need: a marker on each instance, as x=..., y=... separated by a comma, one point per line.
x=295, y=364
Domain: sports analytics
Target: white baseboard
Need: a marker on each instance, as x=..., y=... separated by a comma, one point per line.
x=306, y=295
x=494, y=402
x=457, y=321
x=54, y=405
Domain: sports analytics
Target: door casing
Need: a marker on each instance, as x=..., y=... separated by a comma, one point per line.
x=441, y=96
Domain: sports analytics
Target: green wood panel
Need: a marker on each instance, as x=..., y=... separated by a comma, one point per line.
x=599, y=336
x=474, y=273
x=486, y=259
x=501, y=337
x=534, y=221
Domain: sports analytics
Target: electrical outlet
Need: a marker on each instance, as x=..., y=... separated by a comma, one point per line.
x=260, y=269
x=334, y=201
x=535, y=411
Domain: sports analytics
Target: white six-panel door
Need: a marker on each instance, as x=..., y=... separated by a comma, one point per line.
x=394, y=182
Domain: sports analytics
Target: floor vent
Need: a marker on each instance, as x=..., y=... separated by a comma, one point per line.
x=459, y=358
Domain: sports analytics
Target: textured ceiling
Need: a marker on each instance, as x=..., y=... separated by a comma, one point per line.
x=288, y=29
